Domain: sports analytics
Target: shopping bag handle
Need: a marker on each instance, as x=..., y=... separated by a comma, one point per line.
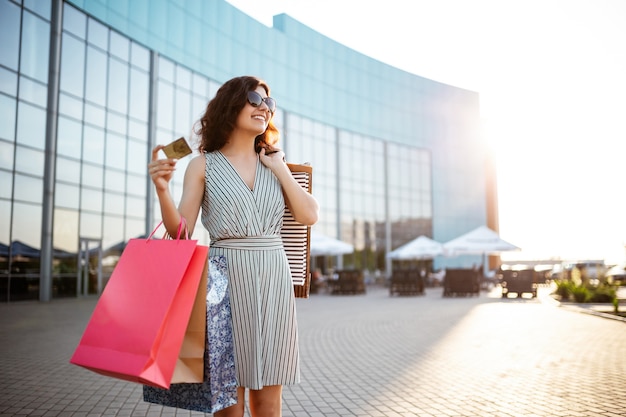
x=182, y=225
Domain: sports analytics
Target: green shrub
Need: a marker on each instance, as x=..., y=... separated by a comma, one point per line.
x=602, y=294
x=581, y=293
x=563, y=289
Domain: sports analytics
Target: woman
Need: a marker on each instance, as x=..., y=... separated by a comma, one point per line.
x=241, y=183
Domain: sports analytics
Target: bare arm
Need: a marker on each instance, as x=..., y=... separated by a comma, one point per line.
x=303, y=205
x=161, y=171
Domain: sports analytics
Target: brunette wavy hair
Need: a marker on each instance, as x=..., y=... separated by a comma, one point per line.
x=220, y=116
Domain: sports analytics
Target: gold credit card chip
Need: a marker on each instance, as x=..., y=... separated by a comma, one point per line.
x=177, y=149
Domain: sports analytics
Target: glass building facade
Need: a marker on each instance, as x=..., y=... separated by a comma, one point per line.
x=87, y=88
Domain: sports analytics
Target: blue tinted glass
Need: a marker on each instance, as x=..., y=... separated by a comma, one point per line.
x=6, y=155
x=72, y=65
x=66, y=196
x=140, y=56
x=69, y=138
x=92, y=176
x=139, y=95
x=114, y=203
x=6, y=183
x=120, y=46
x=10, y=34
x=35, y=47
x=93, y=145
x=95, y=88
x=28, y=189
x=8, y=82
x=7, y=110
x=98, y=34
x=69, y=106
x=68, y=170
x=31, y=126
x=118, y=86
x=33, y=92
x=74, y=21
x=29, y=161
x=42, y=7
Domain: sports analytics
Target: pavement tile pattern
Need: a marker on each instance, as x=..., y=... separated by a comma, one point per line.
x=369, y=355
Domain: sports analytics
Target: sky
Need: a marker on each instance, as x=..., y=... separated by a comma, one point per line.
x=551, y=75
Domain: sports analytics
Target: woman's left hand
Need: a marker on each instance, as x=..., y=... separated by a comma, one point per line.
x=272, y=159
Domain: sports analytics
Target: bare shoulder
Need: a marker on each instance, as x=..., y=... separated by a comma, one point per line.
x=195, y=169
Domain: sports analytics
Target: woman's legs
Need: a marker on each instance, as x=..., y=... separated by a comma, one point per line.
x=237, y=409
x=266, y=402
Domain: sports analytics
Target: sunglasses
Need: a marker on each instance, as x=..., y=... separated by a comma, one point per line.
x=255, y=99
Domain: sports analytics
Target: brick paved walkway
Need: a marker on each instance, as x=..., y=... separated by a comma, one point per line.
x=366, y=355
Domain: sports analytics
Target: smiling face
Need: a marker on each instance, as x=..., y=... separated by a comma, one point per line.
x=254, y=119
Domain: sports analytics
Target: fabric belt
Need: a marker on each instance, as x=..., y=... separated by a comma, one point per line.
x=250, y=243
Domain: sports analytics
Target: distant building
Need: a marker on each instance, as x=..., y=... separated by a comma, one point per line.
x=87, y=88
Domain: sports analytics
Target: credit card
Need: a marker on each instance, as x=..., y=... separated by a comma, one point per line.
x=177, y=149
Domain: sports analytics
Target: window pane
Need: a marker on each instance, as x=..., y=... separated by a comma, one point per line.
x=137, y=157
x=69, y=138
x=27, y=224
x=33, y=92
x=139, y=94
x=93, y=145
x=28, y=189
x=120, y=46
x=31, y=126
x=10, y=34
x=5, y=221
x=138, y=130
x=135, y=207
x=92, y=176
x=74, y=21
x=29, y=161
x=166, y=69
x=35, y=47
x=6, y=155
x=98, y=34
x=66, y=196
x=118, y=86
x=137, y=185
x=114, y=181
x=183, y=78
x=42, y=7
x=182, y=112
x=7, y=110
x=115, y=151
x=114, y=204
x=95, y=115
x=72, y=65
x=95, y=89
x=90, y=225
x=165, y=109
x=116, y=123
x=68, y=170
x=91, y=200
x=6, y=184
x=8, y=81
x=69, y=106
x=113, y=230
x=140, y=56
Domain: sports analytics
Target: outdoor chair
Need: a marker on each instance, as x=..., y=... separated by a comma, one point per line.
x=406, y=282
x=461, y=282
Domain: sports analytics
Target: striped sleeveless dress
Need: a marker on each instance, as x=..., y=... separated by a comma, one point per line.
x=244, y=226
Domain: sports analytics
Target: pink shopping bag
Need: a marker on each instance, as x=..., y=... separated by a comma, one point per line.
x=139, y=324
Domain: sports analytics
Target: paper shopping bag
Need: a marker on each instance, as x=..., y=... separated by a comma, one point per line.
x=190, y=361
x=136, y=330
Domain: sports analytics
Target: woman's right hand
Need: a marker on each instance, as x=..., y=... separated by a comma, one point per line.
x=161, y=170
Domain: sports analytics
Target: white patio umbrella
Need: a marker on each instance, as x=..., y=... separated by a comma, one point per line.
x=322, y=245
x=481, y=240
x=421, y=247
